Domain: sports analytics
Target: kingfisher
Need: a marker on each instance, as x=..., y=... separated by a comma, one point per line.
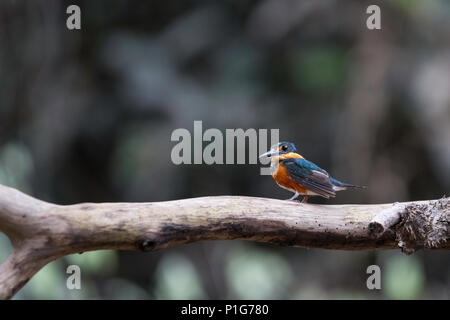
x=294, y=173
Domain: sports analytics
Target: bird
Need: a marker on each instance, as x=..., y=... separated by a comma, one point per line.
x=293, y=172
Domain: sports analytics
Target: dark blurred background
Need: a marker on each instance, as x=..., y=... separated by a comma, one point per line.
x=86, y=116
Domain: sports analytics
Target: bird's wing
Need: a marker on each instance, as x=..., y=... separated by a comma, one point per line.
x=309, y=176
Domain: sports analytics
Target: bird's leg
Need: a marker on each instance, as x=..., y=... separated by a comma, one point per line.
x=305, y=199
x=294, y=196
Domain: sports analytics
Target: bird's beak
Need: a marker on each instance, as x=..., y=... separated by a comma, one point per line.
x=269, y=154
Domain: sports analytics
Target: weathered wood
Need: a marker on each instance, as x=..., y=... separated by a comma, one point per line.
x=41, y=232
x=385, y=219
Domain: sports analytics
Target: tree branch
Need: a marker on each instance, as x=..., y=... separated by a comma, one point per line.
x=385, y=219
x=41, y=232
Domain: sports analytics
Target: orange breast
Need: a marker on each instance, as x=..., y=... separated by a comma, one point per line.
x=281, y=177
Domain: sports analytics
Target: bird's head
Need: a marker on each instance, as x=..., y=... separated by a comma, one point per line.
x=279, y=149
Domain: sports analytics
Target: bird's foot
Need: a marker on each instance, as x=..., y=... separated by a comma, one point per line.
x=293, y=197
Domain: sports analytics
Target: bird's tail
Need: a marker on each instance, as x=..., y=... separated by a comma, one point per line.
x=344, y=185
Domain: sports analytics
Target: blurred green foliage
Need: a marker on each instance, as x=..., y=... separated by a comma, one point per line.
x=103, y=262
x=177, y=278
x=404, y=277
x=16, y=166
x=257, y=274
x=319, y=68
x=5, y=247
x=48, y=283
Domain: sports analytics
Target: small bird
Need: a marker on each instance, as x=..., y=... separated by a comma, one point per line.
x=294, y=173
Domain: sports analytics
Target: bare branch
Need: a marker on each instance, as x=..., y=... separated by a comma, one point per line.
x=41, y=232
x=385, y=219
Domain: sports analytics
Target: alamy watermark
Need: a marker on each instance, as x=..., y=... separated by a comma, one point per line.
x=373, y=22
x=374, y=280
x=222, y=149
x=74, y=280
x=73, y=21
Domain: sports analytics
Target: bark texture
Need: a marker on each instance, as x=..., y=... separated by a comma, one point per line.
x=41, y=232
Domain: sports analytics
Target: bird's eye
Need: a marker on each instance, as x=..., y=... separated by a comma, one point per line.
x=284, y=148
